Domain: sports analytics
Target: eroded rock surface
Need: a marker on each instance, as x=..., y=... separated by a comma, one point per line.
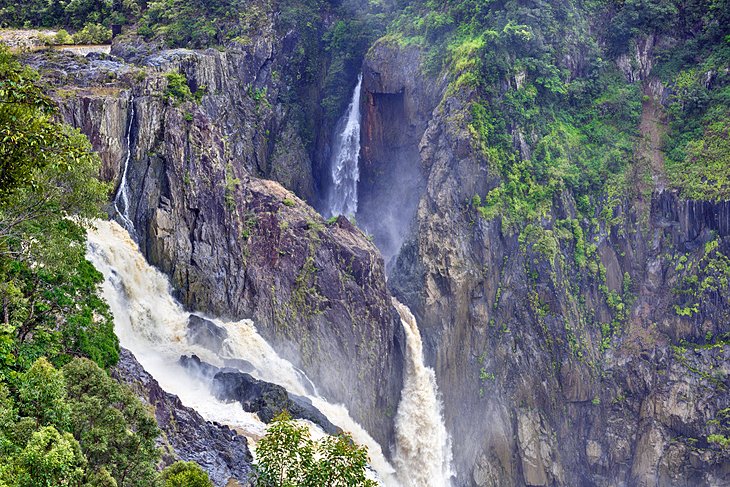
x=234, y=245
x=221, y=452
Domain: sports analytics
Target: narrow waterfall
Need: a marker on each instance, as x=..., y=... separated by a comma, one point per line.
x=423, y=447
x=122, y=193
x=344, y=167
x=153, y=325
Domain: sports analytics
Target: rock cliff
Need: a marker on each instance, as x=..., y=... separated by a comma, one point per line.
x=574, y=351
x=235, y=245
x=222, y=452
x=536, y=390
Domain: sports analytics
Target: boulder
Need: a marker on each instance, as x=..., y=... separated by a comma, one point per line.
x=266, y=399
x=205, y=333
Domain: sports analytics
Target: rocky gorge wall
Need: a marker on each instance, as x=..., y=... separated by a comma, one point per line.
x=553, y=374
x=235, y=245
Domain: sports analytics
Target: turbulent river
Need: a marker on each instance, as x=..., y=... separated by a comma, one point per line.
x=153, y=326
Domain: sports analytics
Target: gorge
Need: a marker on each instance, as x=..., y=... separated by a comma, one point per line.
x=542, y=185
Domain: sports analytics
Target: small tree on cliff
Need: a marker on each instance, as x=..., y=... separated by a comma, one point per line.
x=288, y=457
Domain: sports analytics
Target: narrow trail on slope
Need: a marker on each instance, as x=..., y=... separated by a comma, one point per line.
x=423, y=447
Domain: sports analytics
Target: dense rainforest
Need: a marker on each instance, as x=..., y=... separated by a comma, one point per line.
x=545, y=184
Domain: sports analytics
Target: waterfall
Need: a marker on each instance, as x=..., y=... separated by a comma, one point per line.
x=423, y=446
x=153, y=326
x=344, y=167
x=122, y=193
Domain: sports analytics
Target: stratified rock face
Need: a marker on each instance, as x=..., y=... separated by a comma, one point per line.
x=221, y=452
x=534, y=393
x=234, y=245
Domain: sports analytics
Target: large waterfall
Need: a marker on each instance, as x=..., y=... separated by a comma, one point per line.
x=423, y=446
x=153, y=325
x=344, y=168
x=122, y=194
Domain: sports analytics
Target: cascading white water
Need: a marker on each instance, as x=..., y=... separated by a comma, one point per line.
x=344, y=165
x=423, y=447
x=153, y=325
x=122, y=193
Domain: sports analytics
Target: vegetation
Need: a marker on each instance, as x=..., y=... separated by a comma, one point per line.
x=63, y=419
x=69, y=14
x=74, y=426
x=288, y=457
x=48, y=188
x=93, y=34
x=185, y=474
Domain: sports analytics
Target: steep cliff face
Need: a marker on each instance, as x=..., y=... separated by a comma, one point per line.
x=536, y=390
x=396, y=105
x=235, y=245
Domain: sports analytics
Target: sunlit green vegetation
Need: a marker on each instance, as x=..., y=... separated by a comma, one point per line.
x=288, y=457
x=542, y=76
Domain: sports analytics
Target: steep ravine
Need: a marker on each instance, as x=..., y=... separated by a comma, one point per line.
x=531, y=395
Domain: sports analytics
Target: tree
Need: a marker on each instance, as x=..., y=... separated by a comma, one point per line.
x=185, y=474
x=114, y=429
x=288, y=457
x=50, y=459
x=42, y=395
x=49, y=187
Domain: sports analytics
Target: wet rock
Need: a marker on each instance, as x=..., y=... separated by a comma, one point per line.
x=198, y=367
x=235, y=245
x=222, y=452
x=205, y=333
x=240, y=364
x=266, y=399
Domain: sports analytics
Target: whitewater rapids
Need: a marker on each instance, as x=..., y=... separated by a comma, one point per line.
x=423, y=447
x=344, y=164
x=153, y=325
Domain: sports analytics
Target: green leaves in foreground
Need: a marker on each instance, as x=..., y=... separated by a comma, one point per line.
x=288, y=457
x=50, y=305
x=75, y=426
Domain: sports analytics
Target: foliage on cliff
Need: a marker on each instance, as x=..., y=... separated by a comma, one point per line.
x=74, y=426
x=72, y=14
x=548, y=107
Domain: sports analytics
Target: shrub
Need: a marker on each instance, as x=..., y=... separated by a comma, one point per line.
x=177, y=87
x=93, y=34
x=185, y=474
x=288, y=457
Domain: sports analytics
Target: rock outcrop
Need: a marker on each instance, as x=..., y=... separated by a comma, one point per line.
x=221, y=452
x=265, y=399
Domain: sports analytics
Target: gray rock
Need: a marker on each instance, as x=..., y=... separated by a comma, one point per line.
x=266, y=399
x=205, y=333
x=221, y=452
